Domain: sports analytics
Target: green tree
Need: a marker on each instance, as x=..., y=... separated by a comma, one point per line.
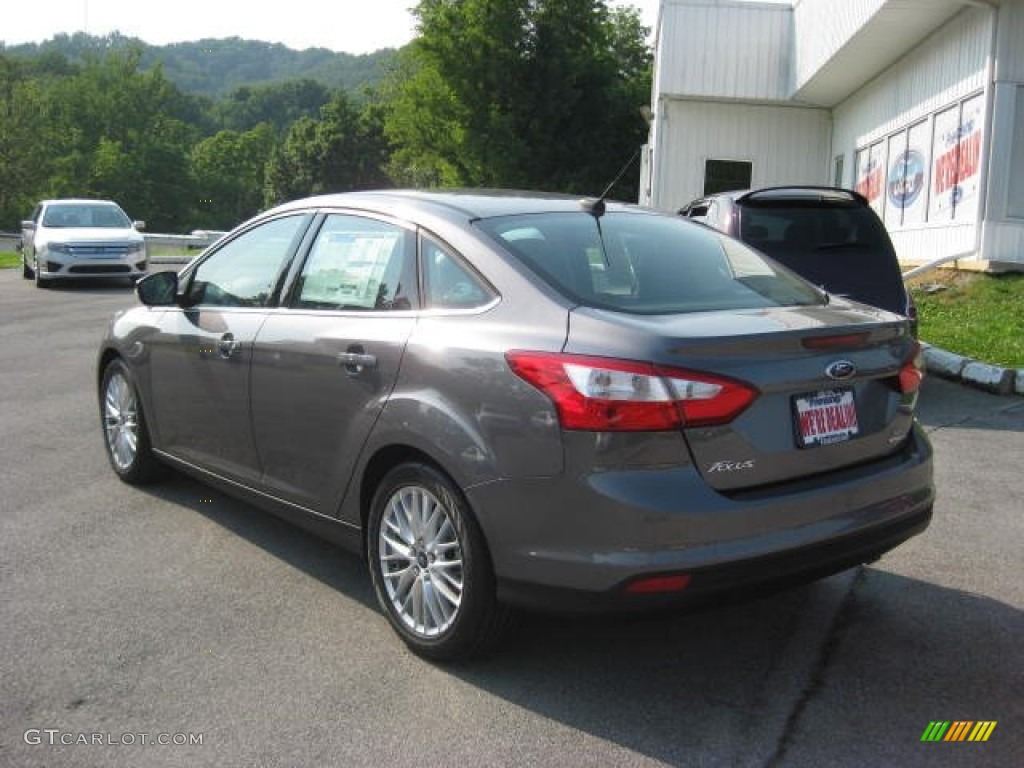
x=520, y=93
x=279, y=104
x=119, y=133
x=24, y=135
x=228, y=170
x=340, y=151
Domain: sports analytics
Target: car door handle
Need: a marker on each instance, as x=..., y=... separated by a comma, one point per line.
x=356, y=362
x=227, y=346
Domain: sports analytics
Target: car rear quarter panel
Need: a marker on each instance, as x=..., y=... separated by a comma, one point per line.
x=457, y=402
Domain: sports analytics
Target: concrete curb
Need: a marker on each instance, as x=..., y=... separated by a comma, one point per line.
x=991, y=378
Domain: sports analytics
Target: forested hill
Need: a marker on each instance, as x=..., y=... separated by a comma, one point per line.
x=215, y=68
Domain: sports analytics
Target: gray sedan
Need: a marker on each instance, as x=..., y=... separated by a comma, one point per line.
x=511, y=399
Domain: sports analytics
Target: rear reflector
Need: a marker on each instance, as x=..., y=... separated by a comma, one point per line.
x=608, y=395
x=655, y=584
x=912, y=372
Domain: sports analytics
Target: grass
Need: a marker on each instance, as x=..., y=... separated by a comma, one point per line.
x=10, y=259
x=977, y=315
x=170, y=250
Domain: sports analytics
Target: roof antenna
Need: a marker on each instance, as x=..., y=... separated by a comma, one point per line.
x=596, y=207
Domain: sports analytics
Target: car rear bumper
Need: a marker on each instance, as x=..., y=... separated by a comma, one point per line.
x=581, y=544
x=742, y=579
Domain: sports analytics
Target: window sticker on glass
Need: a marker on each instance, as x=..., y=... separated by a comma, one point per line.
x=347, y=269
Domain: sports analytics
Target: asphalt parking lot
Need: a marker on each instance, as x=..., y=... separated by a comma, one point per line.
x=176, y=611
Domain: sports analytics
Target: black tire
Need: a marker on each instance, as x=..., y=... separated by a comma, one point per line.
x=41, y=282
x=124, y=424
x=477, y=619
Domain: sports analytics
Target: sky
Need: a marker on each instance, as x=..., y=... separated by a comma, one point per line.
x=352, y=26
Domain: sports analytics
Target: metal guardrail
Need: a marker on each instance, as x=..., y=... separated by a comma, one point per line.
x=198, y=240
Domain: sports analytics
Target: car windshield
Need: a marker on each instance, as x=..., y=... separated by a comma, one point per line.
x=66, y=216
x=841, y=247
x=646, y=264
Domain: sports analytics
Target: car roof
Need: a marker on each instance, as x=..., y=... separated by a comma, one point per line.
x=795, y=192
x=463, y=203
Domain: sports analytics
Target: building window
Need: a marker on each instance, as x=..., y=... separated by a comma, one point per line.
x=726, y=175
x=956, y=161
x=837, y=177
x=928, y=171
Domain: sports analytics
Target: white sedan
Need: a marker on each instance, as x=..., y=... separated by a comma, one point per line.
x=81, y=239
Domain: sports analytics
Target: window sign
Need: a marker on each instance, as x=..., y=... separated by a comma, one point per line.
x=860, y=170
x=915, y=175
x=871, y=174
x=945, y=148
x=930, y=171
x=356, y=264
x=972, y=117
x=895, y=180
x=877, y=177
x=956, y=163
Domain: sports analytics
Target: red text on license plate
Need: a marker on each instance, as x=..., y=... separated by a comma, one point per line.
x=826, y=417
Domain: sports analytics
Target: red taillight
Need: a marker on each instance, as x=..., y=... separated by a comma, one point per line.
x=653, y=584
x=608, y=395
x=912, y=372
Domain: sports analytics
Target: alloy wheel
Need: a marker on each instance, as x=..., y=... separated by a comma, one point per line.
x=421, y=561
x=121, y=421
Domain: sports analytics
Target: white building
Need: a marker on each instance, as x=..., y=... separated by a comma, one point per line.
x=918, y=104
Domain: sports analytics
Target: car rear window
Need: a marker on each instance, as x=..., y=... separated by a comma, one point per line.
x=842, y=247
x=646, y=264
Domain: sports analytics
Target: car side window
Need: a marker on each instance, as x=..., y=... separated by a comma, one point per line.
x=244, y=272
x=358, y=263
x=697, y=210
x=449, y=282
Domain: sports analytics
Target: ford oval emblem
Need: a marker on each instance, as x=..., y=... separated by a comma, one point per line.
x=841, y=370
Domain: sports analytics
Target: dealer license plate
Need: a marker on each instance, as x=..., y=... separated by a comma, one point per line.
x=825, y=417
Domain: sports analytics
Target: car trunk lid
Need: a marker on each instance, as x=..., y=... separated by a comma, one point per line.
x=827, y=381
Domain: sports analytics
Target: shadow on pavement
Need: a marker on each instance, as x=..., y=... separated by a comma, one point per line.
x=866, y=671
x=316, y=557
x=717, y=688
x=949, y=404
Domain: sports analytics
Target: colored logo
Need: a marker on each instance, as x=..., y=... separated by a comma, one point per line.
x=906, y=179
x=958, y=730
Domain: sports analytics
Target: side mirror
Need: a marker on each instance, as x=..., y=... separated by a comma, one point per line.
x=159, y=289
x=139, y=225
x=28, y=224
